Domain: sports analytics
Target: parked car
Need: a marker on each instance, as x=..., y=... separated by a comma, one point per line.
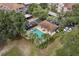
x=67, y=29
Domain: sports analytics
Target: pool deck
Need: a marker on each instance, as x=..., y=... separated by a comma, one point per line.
x=46, y=32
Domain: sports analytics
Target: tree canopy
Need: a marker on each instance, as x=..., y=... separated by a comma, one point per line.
x=11, y=24
x=44, y=5
x=71, y=17
x=70, y=42
x=37, y=11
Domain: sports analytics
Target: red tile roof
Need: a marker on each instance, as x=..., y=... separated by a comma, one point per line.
x=68, y=5
x=47, y=25
x=11, y=6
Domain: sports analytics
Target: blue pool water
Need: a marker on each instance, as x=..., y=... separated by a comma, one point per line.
x=37, y=32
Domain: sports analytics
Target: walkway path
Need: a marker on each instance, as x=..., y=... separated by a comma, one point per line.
x=24, y=46
x=7, y=47
x=27, y=48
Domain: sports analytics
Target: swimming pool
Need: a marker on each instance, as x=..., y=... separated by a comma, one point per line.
x=37, y=32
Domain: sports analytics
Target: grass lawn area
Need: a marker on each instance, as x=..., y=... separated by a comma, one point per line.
x=13, y=52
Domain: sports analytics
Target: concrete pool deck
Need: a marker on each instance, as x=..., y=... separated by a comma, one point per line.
x=46, y=32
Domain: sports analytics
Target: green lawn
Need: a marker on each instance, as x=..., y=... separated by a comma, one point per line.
x=13, y=52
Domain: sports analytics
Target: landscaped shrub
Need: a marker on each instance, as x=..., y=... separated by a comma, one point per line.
x=43, y=45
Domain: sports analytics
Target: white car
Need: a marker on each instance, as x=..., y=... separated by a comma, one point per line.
x=67, y=29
